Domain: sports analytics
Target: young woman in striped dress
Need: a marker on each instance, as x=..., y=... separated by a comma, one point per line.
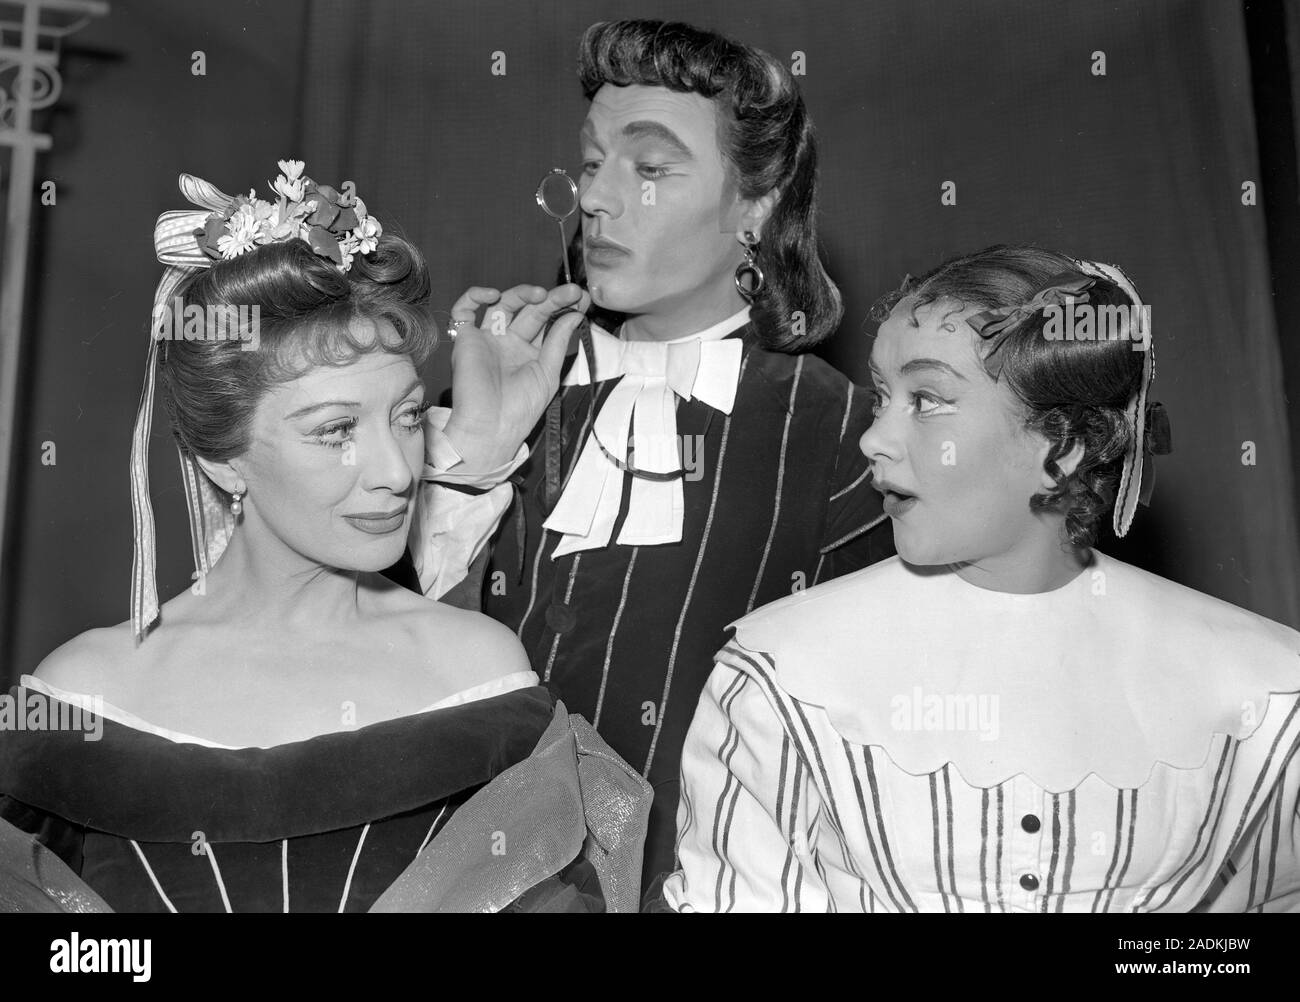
x=1000, y=718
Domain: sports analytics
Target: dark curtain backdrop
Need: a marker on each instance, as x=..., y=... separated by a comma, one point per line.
x=131, y=118
x=1143, y=167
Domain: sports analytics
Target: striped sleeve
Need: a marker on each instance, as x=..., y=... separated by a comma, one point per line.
x=857, y=533
x=748, y=814
x=1263, y=871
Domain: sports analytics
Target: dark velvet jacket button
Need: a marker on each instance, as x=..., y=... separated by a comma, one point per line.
x=1029, y=882
x=1030, y=823
x=560, y=617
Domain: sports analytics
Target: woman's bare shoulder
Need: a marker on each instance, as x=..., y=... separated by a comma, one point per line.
x=90, y=662
x=474, y=645
x=471, y=643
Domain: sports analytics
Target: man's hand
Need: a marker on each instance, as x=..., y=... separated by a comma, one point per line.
x=504, y=373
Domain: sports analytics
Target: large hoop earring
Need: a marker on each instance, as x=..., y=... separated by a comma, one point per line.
x=750, y=267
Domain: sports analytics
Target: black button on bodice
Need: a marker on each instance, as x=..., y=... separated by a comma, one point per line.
x=1030, y=823
x=561, y=617
x=1029, y=882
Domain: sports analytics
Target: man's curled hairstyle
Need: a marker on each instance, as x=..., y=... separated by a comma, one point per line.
x=767, y=141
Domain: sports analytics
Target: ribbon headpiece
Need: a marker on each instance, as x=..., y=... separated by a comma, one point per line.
x=990, y=323
x=1150, y=423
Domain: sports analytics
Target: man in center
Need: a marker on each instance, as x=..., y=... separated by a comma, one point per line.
x=723, y=470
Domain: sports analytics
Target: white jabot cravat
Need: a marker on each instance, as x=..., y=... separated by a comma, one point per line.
x=642, y=407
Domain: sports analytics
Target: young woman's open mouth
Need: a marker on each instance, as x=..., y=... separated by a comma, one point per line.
x=897, y=501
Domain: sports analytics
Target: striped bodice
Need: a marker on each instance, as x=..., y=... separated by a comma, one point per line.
x=339, y=871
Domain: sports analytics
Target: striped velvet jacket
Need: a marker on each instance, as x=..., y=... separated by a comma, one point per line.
x=779, y=500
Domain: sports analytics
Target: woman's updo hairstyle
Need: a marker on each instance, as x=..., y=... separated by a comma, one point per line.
x=1072, y=390
x=305, y=306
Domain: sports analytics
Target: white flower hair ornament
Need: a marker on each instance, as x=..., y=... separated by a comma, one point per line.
x=334, y=223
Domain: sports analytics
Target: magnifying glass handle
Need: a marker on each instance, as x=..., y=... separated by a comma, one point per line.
x=564, y=252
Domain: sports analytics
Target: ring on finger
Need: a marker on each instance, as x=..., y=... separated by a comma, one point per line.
x=451, y=328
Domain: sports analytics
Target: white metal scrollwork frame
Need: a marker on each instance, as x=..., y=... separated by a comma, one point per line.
x=30, y=34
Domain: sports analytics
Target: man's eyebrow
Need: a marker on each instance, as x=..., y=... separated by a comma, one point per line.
x=661, y=132
x=919, y=364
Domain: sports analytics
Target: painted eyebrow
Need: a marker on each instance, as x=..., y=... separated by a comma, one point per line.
x=920, y=365
x=661, y=132
x=301, y=411
x=644, y=130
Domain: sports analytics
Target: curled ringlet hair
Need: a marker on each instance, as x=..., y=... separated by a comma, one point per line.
x=1071, y=391
x=304, y=309
x=767, y=141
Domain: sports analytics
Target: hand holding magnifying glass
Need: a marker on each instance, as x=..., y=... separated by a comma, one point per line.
x=505, y=372
x=557, y=196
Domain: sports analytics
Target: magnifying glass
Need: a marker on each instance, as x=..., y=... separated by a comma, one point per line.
x=557, y=195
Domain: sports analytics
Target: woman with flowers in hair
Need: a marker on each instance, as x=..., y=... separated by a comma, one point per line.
x=1000, y=718
x=296, y=731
